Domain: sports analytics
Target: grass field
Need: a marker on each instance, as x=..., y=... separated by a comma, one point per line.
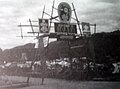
x=35, y=83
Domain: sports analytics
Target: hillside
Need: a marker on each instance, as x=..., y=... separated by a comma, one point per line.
x=105, y=44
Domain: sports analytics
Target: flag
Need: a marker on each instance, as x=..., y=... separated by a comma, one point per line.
x=42, y=42
x=45, y=41
x=37, y=44
x=24, y=57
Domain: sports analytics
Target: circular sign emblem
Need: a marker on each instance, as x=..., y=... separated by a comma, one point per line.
x=64, y=12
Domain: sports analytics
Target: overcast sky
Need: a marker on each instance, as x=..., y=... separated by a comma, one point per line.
x=105, y=13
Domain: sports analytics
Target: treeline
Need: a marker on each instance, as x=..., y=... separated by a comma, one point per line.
x=104, y=45
x=107, y=45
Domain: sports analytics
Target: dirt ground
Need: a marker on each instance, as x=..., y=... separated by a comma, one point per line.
x=35, y=83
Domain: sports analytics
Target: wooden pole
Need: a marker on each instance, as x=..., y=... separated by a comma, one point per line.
x=21, y=31
x=31, y=26
x=70, y=58
x=43, y=11
x=94, y=28
x=43, y=63
x=77, y=19
x=52, y=13
x=36, y=52
x=92, y=50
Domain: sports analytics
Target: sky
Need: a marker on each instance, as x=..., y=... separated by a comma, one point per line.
x=104, y=13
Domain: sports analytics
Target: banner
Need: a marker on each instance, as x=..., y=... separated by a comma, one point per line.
x=45, y=41
x=42, y=42
x=36, y=44
x=24, y=57
x=43, y=26
x=86, y=29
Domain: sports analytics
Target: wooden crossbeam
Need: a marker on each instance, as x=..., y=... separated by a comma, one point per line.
x=31, y=26
x=27, y=25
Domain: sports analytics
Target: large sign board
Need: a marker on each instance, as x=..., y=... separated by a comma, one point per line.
x=86, y=29
x=65, y=28
x=43, y=25
x=65, y=37
x=64, y=12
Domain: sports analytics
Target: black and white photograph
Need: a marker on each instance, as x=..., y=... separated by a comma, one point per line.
x=59, y=44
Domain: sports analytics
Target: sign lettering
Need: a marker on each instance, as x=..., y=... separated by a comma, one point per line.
x=65, y=28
